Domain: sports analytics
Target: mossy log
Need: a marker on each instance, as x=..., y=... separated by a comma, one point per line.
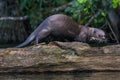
x=59, y=56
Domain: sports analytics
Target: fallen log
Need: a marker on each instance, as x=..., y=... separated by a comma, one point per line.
x=61, y=57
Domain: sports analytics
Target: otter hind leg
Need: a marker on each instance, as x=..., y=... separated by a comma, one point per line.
x=42, y=34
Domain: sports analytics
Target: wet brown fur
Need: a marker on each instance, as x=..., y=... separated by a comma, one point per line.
x=62, y=25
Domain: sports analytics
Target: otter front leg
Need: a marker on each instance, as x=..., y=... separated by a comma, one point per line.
x=81, y=38
x=42, y=34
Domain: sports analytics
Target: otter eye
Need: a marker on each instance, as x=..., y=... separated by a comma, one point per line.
x=94, y=31
x=100, y=35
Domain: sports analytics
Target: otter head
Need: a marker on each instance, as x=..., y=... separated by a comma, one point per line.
x=97, y=35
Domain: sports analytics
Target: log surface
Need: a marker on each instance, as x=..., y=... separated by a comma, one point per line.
x=60, y=56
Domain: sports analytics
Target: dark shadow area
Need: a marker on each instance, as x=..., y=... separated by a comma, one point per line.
x=63, y=76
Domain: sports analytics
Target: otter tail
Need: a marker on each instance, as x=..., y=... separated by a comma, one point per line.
x=27, y=41
x=33, y=35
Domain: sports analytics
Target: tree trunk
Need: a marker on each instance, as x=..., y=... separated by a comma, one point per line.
x=12, y=30
x=114, y=19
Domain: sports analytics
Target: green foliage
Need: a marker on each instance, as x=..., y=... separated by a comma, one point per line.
x=32, y=8
x=38, y=10
x=116, y=3
x=74, y=9
x=83, y=10
x=82, y=1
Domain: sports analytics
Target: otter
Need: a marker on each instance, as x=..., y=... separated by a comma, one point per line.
x=60, y=25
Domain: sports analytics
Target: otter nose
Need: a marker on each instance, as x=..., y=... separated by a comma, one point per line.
x=104, y=39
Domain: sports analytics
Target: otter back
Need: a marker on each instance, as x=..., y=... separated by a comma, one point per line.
x=57, y=25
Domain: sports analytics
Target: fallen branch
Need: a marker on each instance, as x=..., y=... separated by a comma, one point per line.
x=91, y=19
x=62, y=7
x=52, y=58
x=111, y=36
x=113, y=32
x=103, y=26
x=14, y=18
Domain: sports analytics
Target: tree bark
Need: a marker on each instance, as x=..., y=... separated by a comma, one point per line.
x=115, y=19
x=12, y=30
x=70, y=56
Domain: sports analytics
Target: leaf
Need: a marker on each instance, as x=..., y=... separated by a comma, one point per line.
x=116, y=3
x=103, y=14
x=82, y=1
x=115, y=6
x=22, y=5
